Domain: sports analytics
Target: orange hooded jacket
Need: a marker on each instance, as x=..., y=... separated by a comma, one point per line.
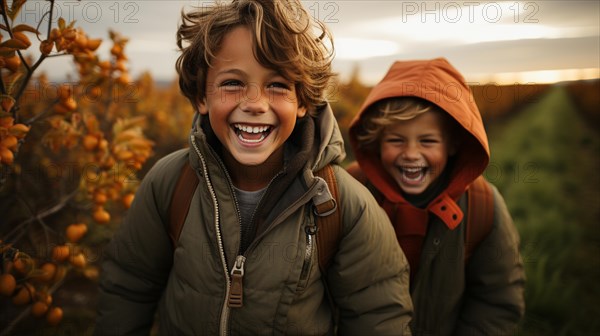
x=440, y=83
x=483, y=296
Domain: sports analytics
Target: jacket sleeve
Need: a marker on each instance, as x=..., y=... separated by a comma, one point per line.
x=495, y=280
x=369, y=276
x=138, y=259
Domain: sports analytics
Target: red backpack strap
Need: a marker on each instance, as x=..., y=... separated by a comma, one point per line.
x=480, y=216
x=329, y=224
x=181, y=200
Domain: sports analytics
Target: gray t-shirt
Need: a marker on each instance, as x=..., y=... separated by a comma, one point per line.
x=247, y=202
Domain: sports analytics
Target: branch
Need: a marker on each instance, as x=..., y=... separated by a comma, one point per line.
x=3, y=4
x=41, y=114
x=57, y=207
x=2, y=88
x=49, y=19
x=30, y=70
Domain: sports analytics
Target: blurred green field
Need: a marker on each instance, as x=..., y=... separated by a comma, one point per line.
x=545, y=162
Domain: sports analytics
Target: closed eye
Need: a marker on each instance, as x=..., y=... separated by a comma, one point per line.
x=232, y=83
x=279, y=86
x=394, y=140
x=430, y=141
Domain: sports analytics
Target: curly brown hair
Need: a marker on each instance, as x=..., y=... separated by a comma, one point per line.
x=284, y=39
x=386, y=112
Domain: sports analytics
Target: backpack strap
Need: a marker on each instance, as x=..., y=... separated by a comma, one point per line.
x=181, y=201
x=329, y=224
x=480, y=218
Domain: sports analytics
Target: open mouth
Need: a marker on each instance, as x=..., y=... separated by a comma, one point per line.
x=250, y=133
x=413, y=174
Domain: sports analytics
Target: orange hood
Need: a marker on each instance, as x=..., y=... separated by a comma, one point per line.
x=440, y=83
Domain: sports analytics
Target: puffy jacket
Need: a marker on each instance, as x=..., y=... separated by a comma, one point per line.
x=283, y=288
x=483, y=296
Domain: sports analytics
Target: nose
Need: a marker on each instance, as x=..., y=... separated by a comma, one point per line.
x=411, y=151
x=254, y=100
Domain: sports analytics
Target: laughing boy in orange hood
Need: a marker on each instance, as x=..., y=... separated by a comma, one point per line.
x=421, y=148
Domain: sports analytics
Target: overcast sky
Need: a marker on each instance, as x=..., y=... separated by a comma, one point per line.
x=498, y=41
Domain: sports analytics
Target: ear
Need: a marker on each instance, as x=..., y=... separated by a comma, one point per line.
x=301, y=112
x=202, y=107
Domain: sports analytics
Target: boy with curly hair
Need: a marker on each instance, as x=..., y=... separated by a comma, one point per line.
x=246, y=260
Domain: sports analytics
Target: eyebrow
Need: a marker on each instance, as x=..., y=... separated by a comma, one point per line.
x=235, y=71
x=420, y=135
x=231, y=71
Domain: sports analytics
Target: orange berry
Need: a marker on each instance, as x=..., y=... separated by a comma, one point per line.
x=70, y=104
x=101, y=216
x=19, y=130
x=24, y=295
x=54, y=316
x=12, y=63
x=124, y=79
x=22, y=37
x=60, y=253
x=39, y=309
x=100, y=198
x=78, y=260
x=23, y=265
x=124, y=155
x=7, y=104
x=48, y=271
x=121, y=66
x=7, y=284
x=64, y=92
x=6, y=156
x=90, y=142
x=128, y=199
x=54, y=34
x=76, y=231
x=93, y=44
x=81, y=40
x=10, y=142
x=116, y=50
x=46, y=47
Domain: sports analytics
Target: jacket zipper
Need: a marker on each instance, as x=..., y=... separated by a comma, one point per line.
x=310, y=230
x=225, y=309
x=236, y=294
x=234, y=288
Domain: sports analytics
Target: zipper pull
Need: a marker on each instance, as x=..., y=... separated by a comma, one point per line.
x=236, y=292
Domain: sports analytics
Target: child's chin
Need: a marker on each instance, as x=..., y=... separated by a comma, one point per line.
x=414, y=189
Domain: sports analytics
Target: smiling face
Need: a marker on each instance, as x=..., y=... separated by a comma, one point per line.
x=252, y=109
x=415, y=152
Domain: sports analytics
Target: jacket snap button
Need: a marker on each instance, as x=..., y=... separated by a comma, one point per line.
x=436, y=241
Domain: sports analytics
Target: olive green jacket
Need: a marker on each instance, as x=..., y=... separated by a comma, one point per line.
x=283, y=288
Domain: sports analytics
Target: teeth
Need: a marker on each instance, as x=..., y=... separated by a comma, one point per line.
x=262, y=137
x=250, y=129
x=412, y=170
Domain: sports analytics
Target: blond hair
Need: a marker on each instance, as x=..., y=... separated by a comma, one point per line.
x=284, y=40
x=387, y=112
